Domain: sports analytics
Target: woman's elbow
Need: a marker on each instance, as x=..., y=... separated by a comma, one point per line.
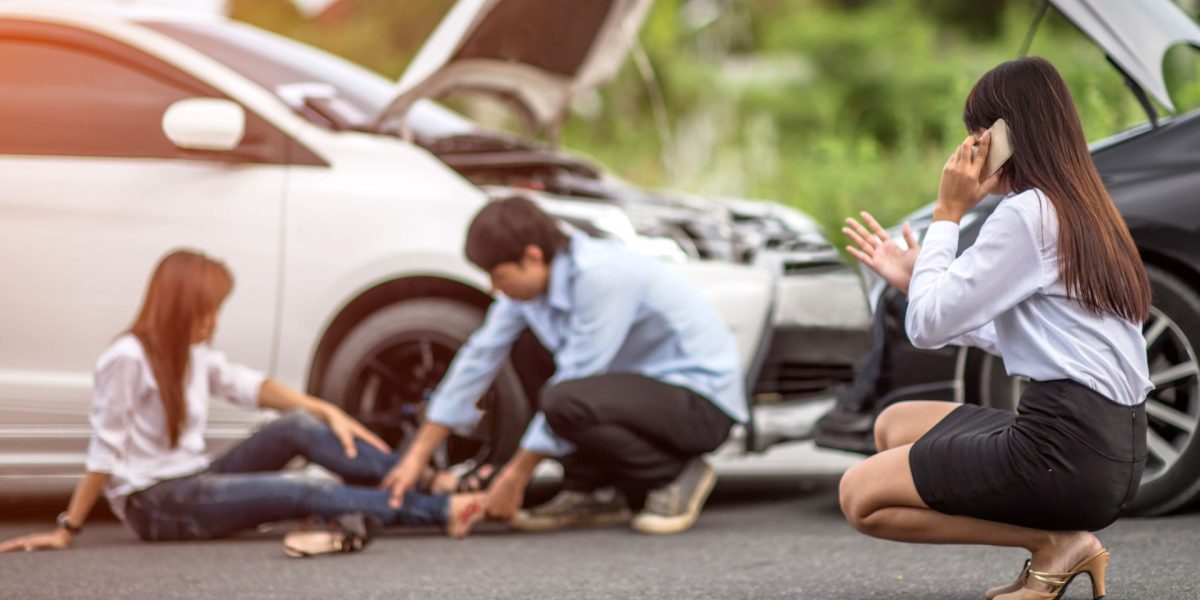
x=921, y=337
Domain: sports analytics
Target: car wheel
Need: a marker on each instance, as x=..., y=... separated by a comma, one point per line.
x=386, y=368
x=1172, y=476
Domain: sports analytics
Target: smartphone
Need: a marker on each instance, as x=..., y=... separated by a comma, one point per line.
x=998, y=153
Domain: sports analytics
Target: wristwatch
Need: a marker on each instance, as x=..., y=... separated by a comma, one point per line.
x=65, y=523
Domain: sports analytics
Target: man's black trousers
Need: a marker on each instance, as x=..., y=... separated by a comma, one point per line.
x=630, y=432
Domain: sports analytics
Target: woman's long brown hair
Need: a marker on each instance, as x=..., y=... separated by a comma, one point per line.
x=1098, y=262
x=185, y=288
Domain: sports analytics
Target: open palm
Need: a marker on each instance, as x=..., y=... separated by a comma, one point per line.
x=879, y=251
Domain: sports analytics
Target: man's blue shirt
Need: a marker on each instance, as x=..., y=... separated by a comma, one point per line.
x=606, y=310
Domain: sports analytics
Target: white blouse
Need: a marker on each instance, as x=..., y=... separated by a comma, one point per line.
x=1004, y=295
x=129, y=430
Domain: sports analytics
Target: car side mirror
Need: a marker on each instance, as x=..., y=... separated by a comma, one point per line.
x=212, y=124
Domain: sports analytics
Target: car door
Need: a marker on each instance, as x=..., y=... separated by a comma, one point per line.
x=94, y=194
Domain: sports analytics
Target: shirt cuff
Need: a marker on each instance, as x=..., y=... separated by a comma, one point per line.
x=460, y=421
x=942, y=233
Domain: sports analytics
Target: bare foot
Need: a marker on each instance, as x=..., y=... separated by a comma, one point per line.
x=1064, y=551
x=465, y=511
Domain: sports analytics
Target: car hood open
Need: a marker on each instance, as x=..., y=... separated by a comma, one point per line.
x=1135, y=35
x=535, y=54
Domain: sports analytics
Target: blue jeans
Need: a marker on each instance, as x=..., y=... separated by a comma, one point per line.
x=244, y=489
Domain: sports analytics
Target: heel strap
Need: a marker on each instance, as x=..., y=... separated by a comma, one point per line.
x=1061, y=579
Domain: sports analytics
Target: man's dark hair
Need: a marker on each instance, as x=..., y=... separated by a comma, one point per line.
x=504, y=228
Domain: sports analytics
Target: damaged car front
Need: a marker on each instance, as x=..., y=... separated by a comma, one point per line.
x=819, y=323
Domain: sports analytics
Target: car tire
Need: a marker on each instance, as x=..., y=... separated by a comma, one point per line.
x=1172, y=476
x=388, y=365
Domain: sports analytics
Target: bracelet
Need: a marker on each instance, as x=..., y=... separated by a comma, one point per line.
x=65, y=523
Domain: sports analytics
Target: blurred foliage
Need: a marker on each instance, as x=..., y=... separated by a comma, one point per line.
x=829, y=105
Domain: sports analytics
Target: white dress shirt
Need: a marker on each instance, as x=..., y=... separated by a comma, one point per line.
x=129, y=429
x=1004, y=294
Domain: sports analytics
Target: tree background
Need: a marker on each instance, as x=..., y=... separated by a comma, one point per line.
x=831, y=106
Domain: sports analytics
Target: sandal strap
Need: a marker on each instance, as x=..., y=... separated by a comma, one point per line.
x=1052, y=579
x=484, y=481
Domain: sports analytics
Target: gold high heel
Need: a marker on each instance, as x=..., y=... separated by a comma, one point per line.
x=1095, y=567
x=1012, y=587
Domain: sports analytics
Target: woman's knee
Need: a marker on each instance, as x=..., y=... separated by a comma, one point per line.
x=298, y=426
x=852, y=496
x=885, y=427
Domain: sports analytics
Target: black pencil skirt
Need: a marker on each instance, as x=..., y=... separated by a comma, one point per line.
x=1070, y=459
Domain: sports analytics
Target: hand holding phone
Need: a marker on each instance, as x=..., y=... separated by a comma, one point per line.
x=1000, y=150
x=968, y=177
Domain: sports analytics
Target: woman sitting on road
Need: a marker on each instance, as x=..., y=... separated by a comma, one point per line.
x=1054, y=284
x=147, y=453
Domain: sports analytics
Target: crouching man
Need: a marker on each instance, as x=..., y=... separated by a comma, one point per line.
x=646, y=378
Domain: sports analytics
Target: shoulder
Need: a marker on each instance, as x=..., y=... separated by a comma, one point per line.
x=1030, y=210
x=123, y=360
x=126, y=350
x=605, y=263
x=1032, y=206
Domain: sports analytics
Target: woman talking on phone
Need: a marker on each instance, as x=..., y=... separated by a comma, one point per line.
x=1055, y=285
x=147, y=454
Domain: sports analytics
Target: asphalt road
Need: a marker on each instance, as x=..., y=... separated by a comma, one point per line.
x=760, y=537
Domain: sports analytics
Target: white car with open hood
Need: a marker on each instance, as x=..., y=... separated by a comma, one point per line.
x=340, y=201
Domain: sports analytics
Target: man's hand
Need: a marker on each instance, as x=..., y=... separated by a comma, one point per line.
x=506, y=494
x=402, y=478
x=347, y=429
x=881, y=253
x=59, y=539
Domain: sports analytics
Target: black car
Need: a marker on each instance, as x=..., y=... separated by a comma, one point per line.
x=1152, y=172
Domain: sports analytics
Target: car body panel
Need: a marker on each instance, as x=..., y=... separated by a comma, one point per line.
x=536, y=53
x=1135, y=35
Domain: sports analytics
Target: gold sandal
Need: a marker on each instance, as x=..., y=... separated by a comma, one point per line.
x=1012, y=587
x=1095, y=567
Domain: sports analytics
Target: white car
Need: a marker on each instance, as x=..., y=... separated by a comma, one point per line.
x=125, y=134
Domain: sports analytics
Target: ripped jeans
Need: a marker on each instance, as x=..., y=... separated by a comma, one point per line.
x=243, y=489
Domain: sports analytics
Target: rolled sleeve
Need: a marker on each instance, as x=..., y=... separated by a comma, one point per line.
x=474, y=368
x=540, y=439
x=115, y=385
x=236, y=383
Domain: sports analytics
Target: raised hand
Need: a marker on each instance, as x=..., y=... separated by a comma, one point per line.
x=961, y=188
x=876, y=249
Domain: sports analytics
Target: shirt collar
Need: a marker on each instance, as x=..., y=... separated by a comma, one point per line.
x=562, y=271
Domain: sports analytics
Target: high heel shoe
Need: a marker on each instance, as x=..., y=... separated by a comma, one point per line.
x=1095, y=567
x=1012, y=587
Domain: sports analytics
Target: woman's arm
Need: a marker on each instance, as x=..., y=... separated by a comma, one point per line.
x=280, y=397
x=78, y=510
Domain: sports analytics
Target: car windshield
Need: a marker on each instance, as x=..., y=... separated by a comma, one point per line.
x=294, y=71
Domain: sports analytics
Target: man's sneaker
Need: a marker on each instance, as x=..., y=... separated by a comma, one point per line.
x=676, y=506
x=570, y=509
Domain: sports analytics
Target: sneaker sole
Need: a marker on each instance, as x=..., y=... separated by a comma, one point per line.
x=534, y=524
x=656, y=525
